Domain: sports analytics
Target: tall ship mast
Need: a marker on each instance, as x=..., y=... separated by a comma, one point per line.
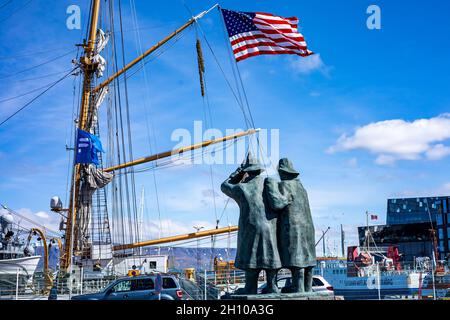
x=87, y=230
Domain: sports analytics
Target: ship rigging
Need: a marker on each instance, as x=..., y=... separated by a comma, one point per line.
x=87, y=222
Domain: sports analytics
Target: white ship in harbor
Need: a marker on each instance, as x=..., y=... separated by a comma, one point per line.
x=17, y=260
x=377, y=280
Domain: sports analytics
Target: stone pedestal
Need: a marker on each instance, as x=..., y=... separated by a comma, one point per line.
x=284, y=296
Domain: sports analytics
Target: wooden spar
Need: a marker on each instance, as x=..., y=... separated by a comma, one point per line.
x=145, y=54
x=151, y=50
x=181, y=237
x=88, y=69
x=180, y=150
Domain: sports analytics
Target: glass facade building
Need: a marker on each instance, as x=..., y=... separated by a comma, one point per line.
x=413, y=210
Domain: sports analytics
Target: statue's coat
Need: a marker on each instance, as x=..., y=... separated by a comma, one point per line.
x=296, y=238
x=257, y=239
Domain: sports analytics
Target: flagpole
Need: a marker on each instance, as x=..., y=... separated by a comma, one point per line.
x=367, y=231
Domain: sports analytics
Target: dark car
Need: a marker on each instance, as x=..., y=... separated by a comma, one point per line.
x=137, y=288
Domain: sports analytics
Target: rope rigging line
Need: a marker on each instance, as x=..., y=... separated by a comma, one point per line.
x=41, y=77
x=28, y=219
x=38, y=65
x=206, y=105
x=26, y=93
x=117, y=183
x=133, y=211
x=207, y=111
x=146, y=83
x=5, y=4
x=156, y=54
x=15, y=11
x=32, y=53
x=36, y=97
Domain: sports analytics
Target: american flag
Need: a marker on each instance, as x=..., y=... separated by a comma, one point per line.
x=255, y=33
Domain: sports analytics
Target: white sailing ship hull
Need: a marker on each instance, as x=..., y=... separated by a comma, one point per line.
x=26, y=266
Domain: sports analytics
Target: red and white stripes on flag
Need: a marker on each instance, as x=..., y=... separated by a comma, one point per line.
x=253, y=34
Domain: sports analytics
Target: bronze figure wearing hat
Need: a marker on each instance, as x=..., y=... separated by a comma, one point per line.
x=257, y=239
x=296, y=238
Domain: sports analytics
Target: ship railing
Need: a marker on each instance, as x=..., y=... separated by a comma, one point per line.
x=374, y=249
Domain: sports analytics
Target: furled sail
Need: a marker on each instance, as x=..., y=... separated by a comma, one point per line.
x=102, y=40
x=99, y=97
x=101, y=65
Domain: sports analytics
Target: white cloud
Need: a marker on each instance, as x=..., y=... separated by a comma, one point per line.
x=38, y=219
x=397, y=139
x=42, y=214
x=309, y=64
x=385, y=160
x=437, y=152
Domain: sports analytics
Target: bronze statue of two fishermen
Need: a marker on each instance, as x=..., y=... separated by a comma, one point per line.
x=275, y=226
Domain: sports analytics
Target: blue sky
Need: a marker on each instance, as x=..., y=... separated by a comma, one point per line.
x=363, y=120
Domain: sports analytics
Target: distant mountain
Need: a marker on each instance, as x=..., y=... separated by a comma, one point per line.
x=186, y=257
x=179, y=257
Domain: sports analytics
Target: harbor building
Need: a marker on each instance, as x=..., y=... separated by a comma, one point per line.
x=409, y=225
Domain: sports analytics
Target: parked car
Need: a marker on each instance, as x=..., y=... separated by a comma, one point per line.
x=137, y=288
x=319, y=284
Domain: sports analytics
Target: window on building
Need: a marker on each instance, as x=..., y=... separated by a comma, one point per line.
x=439, y=219
x=152, y=264
x=441, y=233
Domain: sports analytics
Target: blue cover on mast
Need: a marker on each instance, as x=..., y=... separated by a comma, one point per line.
x=87, y=147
